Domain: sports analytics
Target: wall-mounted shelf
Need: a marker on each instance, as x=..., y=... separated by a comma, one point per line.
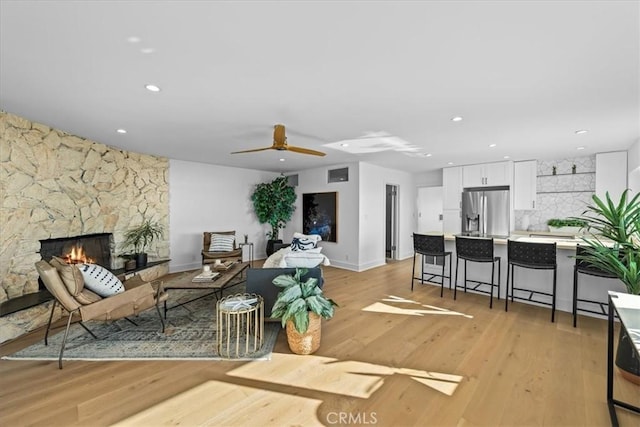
x=568, y=191
x=562, y=174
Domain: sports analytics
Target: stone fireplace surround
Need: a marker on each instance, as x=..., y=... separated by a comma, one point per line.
x=57, y=185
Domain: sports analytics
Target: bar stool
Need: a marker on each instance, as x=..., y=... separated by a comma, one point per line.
x=430, y=245
x=476, y=249
x=584, y=267
x=538, y=256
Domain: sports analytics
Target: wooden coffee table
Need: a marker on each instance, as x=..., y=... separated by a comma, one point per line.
x=217, y=285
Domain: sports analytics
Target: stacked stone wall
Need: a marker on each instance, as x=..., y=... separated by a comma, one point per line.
x=59, y=185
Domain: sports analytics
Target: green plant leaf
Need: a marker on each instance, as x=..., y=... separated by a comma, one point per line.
x=301, y=321
x=618, y=223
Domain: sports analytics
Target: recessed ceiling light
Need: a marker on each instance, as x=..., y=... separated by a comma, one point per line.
x=282, y=160
x=121, y=130
x=344, y=144
x=506, y=157
x=456, y=119
x=581, y=131
x=580, y=148
x=428, y=155
x=450, y=163
x=134, y=39
x=147, y=50
x=492, y=145
x=152, y=88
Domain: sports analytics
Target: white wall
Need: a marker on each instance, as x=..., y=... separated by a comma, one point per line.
x=343, y=253
x=373, y=181
x=204, y=197
x=428, y=179
x=633, y=161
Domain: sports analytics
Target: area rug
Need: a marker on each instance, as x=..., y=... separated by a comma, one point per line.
x=190, y=334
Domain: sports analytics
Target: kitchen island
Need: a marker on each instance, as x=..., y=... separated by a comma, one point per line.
x=590, y=287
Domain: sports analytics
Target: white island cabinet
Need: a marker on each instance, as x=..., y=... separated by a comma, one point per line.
x=487, y=175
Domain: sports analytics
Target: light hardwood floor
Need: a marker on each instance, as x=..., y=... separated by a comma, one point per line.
x=380, y=363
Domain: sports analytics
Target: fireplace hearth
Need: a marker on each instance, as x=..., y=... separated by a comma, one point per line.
x=89, y=248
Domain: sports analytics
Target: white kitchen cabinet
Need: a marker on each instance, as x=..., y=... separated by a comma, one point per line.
x=524, y=184
x=452, y=187
x=487, y=174
x=451, y=222
x=611, y=174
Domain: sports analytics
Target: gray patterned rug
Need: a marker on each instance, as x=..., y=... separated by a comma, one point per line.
x=190, y=334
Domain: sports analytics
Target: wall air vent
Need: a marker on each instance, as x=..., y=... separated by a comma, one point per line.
x=339, y=175
x=292, y=180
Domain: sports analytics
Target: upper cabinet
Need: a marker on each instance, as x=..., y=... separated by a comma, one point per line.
x=487, y=174
x=524, y=184
x=452, y=187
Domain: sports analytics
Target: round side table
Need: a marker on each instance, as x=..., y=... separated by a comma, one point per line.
x=240, y=325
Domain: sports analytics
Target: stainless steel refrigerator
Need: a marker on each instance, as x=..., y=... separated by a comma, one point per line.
x=485, y=211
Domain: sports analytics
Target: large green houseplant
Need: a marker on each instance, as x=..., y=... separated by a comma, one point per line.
x=274, y=204
x=613, y=245
x=301, y=305
x=140, y=237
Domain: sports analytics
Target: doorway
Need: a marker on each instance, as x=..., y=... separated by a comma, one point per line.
x=391, y=221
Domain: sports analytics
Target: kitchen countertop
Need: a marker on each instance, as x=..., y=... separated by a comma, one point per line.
x=562, y=240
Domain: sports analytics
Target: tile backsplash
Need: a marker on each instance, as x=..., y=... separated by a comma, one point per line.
x=562, y=194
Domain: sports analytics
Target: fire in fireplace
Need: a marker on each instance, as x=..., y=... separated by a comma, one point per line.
x=89, y=248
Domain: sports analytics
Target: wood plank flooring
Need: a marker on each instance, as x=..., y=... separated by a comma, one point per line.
x=419, y=362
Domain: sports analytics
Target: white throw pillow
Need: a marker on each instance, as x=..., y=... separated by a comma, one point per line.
x=305, y=259
x=221, y=242
x=276, y=259
x=100, y=280
x=303, y=242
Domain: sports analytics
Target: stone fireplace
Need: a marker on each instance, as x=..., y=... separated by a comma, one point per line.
x=60, y=186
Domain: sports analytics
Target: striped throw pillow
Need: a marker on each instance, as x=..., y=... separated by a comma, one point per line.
x=221, y=243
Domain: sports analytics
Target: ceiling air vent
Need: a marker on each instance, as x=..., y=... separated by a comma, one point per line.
x=339, y=175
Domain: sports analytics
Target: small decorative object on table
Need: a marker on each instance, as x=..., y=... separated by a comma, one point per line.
x=573, y=169
x=553, y=170
x=222, y=266
x=240, y=325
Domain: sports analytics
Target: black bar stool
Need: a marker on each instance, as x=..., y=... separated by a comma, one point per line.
x=430, y=245
x=538, y=256
x=476, y=249
x=584, y=267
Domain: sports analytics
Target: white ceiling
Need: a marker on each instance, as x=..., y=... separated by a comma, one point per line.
x=524, y=75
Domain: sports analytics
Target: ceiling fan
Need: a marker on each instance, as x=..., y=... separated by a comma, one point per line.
x=280, y=144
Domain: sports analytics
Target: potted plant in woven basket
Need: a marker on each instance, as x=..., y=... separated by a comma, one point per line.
x=613, y=245
x=301, y=305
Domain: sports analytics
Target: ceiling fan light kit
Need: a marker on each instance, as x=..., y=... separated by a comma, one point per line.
x=280, y=144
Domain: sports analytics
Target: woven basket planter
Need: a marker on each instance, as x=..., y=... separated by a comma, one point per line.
x=308, y=342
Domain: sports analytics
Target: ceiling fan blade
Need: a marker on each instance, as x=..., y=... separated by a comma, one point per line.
x=305, y=151
x=251, y=151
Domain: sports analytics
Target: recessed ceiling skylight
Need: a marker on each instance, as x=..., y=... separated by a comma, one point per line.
x=121, y=130
x=581, y=131
x=456, y=119
x=152, y=88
